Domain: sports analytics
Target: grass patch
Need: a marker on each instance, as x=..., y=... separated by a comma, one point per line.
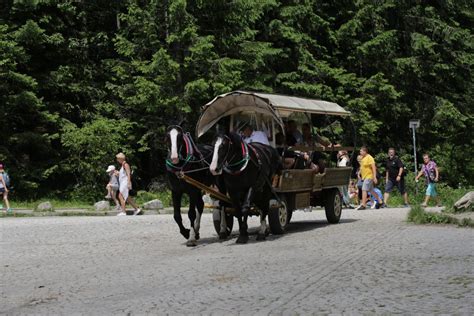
x=418, y=215
x=57, y=204
x=2, y=215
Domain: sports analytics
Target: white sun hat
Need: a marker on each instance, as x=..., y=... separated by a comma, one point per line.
x=110, y=168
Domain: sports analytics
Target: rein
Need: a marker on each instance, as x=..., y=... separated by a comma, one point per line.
x=243, y=162
x=190, y=147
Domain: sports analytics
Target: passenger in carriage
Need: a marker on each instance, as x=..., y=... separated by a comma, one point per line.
x=311, y=140
x=251, y=136
x=293, y=131
x=294, y=159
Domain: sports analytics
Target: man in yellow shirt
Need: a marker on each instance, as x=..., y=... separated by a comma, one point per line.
x=368, y=174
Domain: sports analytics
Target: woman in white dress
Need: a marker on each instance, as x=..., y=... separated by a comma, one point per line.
x=125, y=185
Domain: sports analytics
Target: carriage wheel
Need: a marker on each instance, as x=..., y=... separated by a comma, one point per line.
x=333, y=206
x=278, y=217
x=216, y=218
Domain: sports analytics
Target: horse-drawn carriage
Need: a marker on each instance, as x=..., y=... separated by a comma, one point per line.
x=293, y=188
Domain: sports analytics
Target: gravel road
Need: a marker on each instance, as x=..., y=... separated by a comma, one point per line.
x=373, y=262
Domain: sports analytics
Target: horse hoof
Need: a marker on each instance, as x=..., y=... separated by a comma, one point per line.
x=223, y=236
x=260, y=237
x=191, y=243
x=197, y=236
x=185, y=233
x=242, y=239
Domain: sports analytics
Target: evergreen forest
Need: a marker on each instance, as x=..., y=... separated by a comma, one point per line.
x=82, y=80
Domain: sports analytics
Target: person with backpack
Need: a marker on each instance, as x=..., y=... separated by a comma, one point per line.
x=4, y=185
x=431, y=173
x=394, y=176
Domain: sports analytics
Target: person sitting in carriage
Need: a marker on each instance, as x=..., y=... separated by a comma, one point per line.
x=251, y=136
x=296, y=159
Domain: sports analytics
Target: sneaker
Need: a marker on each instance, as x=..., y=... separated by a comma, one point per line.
x=374, y=205
x=9, y=210
x=423, y=205
x=406, y=205
x=360, y=208
x=384, y=205
x=122, y=214
x=118, y=208
x=137, y=211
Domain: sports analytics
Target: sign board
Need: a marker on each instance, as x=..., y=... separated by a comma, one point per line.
x=414, y=124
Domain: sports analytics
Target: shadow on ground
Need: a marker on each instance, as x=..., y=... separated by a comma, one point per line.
x=293, y=228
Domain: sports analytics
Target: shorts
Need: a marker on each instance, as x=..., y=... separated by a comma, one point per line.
x=2, y=190
x=431, y=189
x=368, y=185
x=400, y=185
x=114, y=188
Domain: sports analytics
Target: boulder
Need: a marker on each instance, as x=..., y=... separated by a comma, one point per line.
x=466, y=203
x=153, y=205
x=45, y=207
x=102, y=206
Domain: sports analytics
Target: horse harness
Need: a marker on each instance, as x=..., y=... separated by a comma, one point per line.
x=191, y=149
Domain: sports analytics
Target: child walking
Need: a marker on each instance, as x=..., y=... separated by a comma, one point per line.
x=113, y=186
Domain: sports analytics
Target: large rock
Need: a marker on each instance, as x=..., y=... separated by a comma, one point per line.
x=466, y=203
x=102, y=206
x=45, y=207
x=153, y=205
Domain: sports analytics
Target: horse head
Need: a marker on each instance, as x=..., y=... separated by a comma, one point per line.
x=225, y=148
x=175, y=142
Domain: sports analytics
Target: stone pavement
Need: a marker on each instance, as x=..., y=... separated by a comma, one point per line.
x=373, y=262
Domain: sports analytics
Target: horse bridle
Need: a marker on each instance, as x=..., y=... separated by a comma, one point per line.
x=244, y=161
x=189, y=150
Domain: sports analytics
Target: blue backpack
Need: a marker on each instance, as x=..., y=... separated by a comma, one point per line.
x=6, y=178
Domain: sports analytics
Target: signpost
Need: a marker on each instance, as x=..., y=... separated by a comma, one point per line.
x=414, y=124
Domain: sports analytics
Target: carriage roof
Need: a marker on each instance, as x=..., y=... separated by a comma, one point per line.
x=275, y=105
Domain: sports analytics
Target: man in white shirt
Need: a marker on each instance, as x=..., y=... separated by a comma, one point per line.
x=251, y=136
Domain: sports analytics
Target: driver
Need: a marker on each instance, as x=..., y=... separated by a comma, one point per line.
x=251, y=136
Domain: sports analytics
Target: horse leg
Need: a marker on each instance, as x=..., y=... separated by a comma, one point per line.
x=176, y=196
x=247, y=201
x=223, y=232
x=200, y=210
x=192, y=217
x=263, y=222
x=243, y=233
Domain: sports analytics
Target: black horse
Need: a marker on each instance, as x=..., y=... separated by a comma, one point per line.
x=247, y=174
x=191, y=159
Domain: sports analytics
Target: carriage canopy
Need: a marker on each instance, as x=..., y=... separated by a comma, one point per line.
x=271, y=105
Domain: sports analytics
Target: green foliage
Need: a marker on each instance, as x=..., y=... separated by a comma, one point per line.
x=92, y=147
x=419, y=216
x=80, y=80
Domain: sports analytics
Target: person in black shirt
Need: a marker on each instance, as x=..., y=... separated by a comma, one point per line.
x=394, y=176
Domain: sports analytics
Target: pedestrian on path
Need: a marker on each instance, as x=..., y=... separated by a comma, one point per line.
x=343, y=161
x=4, y=184
x=113, y=186
x=394, y=176
x=431, y=173
x=368, y=174
x=125, y=185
